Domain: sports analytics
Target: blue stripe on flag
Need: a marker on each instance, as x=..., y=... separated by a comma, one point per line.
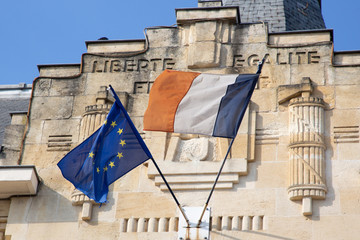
x=233, y=105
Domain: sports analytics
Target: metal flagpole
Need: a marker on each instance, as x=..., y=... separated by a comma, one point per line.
x=172, y=193
x=216, y=180
x=223, y=163
x=112, y=91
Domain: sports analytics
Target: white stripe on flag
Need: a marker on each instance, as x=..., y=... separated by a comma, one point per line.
x=198, y=109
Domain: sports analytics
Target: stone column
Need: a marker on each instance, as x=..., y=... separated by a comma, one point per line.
x=93, y=117
x=307, y=150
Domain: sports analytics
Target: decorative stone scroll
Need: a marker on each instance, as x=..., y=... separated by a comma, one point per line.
x=307, y=151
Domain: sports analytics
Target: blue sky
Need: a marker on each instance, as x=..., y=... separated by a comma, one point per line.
x=49, y=32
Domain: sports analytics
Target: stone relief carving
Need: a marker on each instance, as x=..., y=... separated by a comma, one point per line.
x=307, y=151
x=59, y=142
x=346, y=134
x=197, y=149
x=193, y=148
x=306, y=147
x=171, y=224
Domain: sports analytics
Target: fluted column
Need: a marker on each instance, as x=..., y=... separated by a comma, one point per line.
x=93, y=117
x=307, y=150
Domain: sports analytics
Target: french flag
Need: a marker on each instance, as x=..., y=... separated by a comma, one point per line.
x=198, y=103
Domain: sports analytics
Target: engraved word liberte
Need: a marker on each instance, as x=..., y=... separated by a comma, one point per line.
x=132, y=65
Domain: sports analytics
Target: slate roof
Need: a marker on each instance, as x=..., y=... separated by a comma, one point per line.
x=9, y=103
x=281, y=15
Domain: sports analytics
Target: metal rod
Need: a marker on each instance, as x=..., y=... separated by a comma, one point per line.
x=216, y=180
x=172, y=193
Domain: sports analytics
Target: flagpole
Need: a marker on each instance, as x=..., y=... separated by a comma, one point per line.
x=260, y=64
x=172, y=193
x=216, y=180
x=112, y=91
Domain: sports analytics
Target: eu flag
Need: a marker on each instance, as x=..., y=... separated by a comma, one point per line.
x=109, y=153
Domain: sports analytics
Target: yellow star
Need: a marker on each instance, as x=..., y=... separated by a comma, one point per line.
x=113, y=124
x=105, y=122
x=91, y=155
x=105, y=168
x=120, y=131
x=119, y=155
x=111, y=164
x=122, y=142
x=98, y=170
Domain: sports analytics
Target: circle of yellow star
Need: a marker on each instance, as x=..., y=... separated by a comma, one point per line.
x=111, y=164
x=122, y=142
x=113, y=124
x=119, y=155
x=105, y=168
x=105, y=122
x=91, y=154
x=120, y=131
x=98, y=170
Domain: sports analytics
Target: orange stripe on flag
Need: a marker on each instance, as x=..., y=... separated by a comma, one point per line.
x=166, y=93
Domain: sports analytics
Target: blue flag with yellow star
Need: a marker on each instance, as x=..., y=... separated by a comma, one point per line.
x=109, y=153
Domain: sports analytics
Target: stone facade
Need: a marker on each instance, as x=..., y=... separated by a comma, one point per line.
x=293, y=171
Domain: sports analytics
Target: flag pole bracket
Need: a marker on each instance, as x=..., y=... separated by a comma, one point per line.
x=194, y=231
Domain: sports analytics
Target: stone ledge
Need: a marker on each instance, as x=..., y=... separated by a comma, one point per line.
x=198, y=175
x=238, y=166
x=59, y=70
x=111, y=46
x=190, y=15
x=297, y=38
x=18, y=181
x=346, y=58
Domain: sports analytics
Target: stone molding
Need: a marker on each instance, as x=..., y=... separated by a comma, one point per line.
x=171, y=224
